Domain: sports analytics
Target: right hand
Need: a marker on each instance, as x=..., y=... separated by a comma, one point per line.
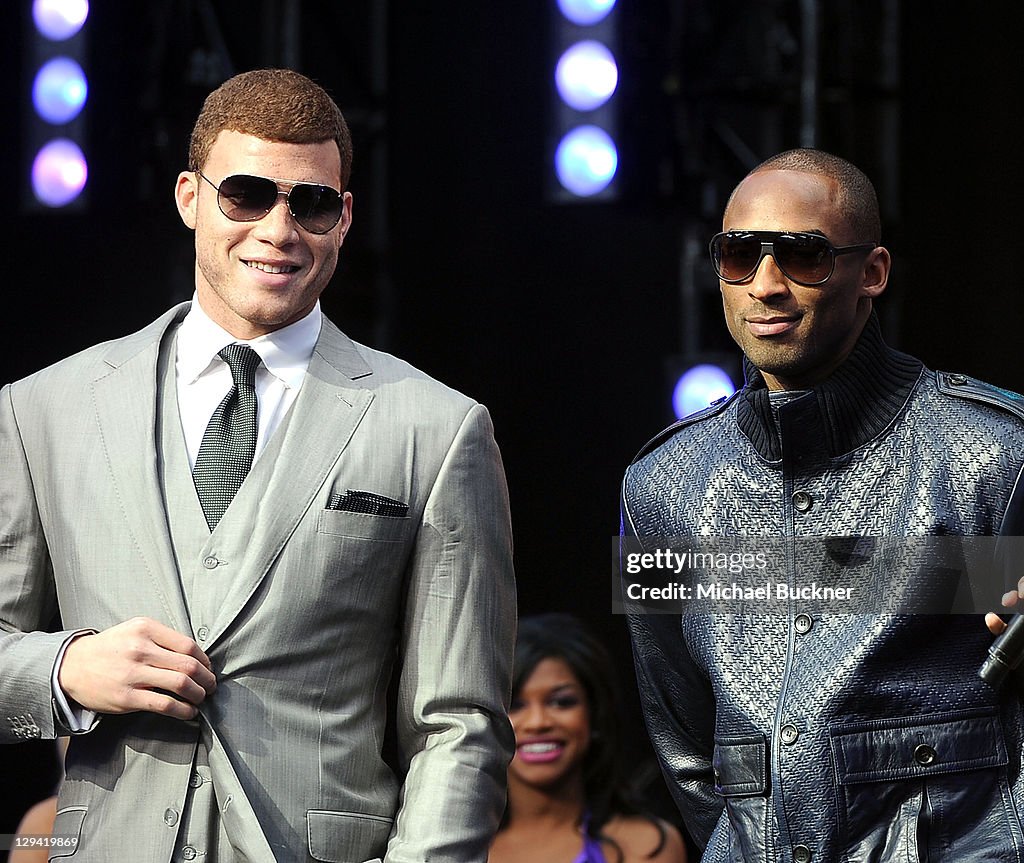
x=140, y=664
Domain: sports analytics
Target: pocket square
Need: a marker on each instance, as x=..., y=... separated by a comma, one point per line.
x=368, y=503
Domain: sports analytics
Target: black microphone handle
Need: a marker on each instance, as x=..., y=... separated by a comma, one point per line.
x=1006, y=652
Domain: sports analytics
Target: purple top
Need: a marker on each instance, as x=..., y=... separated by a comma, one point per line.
x=592, y=851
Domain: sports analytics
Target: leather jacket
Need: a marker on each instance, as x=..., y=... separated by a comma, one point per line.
x=803, y=735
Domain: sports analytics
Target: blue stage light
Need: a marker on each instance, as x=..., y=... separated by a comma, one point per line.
x=698, y=387
x=585, y=12
x=60, y=90
x=59, y=172
x=586, y=75
x=59, y=19
x=586, y=160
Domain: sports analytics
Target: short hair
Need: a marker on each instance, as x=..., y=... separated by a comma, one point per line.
x=275, y=105
x=858, y=203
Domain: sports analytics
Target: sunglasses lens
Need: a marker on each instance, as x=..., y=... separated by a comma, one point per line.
x=316, y=208
x=735, y=256
x=244, y=199
x=805, y=258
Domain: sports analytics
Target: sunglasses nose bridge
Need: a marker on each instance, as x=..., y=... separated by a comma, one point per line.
x=766, y=280
x=276, y=221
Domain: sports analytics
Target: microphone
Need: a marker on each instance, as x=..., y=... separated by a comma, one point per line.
x=1005, y=654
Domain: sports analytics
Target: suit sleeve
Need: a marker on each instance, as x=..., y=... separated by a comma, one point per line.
x=27, y=595
x=456, y=652
x=679, y=709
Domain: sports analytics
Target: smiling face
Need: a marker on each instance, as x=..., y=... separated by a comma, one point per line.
x=255, y=277
x=797, y=335
x=551, y=720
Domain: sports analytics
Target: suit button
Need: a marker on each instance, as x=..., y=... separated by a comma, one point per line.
x=801, y=854
x=195, y=780
x=789, y=733
x=188, y=852
x=803, y=623
x=210, y=562
x=802, y=501
x=924, y=754
x=170, y=817
x=203, y=633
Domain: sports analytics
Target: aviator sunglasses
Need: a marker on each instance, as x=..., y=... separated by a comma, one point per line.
x=807, y=259
x=245, y=198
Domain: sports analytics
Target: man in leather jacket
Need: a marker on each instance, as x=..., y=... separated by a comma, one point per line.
x=809, y=732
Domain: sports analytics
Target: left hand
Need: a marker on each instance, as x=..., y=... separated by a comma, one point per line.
x=1010, y=600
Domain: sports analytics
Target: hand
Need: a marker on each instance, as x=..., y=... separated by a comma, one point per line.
x=993, y=621
x=137, y=665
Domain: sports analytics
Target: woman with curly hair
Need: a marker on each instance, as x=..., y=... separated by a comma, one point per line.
x=566, y=799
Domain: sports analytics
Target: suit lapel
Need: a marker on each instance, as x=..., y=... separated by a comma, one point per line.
x=329, y=408
x=125, y=401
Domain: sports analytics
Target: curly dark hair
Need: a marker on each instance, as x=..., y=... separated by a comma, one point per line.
x=276, y=105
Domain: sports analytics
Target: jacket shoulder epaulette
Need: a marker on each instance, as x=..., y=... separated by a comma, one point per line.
x=965, y=387
x=716, y=407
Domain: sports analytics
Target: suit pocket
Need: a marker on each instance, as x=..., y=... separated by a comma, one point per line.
x=741, y=777
x=67, y=829
x=338, y=837
x=924, y=788
x=358, y=525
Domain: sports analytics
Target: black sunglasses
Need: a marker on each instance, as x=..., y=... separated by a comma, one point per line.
x=245, y=198
x=807, y=259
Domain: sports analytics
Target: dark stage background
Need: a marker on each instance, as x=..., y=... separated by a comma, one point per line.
x=559, y=318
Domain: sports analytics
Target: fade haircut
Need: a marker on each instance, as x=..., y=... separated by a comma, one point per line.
x=276, y=105
x=857, y=201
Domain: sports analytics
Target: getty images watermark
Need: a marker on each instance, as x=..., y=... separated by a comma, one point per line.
x=843, y=575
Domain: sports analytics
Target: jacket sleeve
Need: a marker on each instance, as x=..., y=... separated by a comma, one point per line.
x=679, y=709
x=454, y=736
x=27, y=596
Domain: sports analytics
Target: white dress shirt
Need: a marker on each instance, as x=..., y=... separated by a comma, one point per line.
x=203, y=379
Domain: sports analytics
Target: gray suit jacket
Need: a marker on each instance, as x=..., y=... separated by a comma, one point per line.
x=319, y=606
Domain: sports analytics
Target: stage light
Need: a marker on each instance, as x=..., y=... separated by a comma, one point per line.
x=59, y=19
x=586, y=160
x=585, y=12
x=60, y=90
x=698, y=387
x=586, y=75
x=54, y=111
x=59, y=172
x=583, y=124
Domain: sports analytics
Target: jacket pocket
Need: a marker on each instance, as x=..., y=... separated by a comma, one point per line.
x=924, y=788
x=67, y=830
x=339, y=837
x=741, y=776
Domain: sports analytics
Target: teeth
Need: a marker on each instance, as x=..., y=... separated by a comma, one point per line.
x=539, y=747
x=270, y=268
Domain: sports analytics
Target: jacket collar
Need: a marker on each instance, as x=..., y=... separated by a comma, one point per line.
x=853, y=406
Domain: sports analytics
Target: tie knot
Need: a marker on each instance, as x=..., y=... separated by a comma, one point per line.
x=242, y=360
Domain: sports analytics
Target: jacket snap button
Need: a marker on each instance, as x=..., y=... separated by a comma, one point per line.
x=924, y=754
x=802, y=501
x=789, y=733
x=958, y=380
x=803, y=623
x=801, y=854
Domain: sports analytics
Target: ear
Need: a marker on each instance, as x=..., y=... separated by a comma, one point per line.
x=876, y=272
x=345, y=222
x=186, y=192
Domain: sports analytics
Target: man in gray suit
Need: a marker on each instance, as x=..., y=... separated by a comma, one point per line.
x=231, y=631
